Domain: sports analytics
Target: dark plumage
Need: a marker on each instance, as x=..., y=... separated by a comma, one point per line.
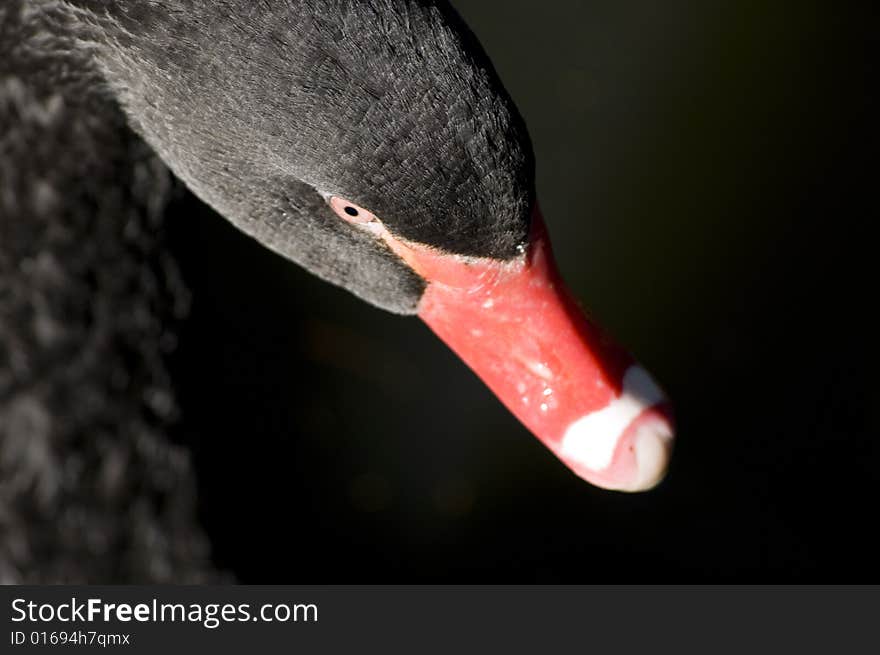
x=91, y=488
x=262, y=109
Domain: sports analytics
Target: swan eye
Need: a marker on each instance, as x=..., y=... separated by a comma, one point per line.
x=350, y=212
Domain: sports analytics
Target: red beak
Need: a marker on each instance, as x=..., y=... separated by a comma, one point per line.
x=516, y=325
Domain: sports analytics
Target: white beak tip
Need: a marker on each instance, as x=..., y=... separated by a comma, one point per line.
x=653, y=450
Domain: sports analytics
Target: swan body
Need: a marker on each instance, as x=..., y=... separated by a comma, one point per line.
x=370, y=142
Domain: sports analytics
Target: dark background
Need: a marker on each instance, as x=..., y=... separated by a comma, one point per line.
x=707, y=171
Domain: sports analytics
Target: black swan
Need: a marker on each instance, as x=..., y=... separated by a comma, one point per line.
x=370, y=142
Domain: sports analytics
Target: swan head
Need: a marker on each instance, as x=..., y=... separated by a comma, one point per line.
x=373, y=144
